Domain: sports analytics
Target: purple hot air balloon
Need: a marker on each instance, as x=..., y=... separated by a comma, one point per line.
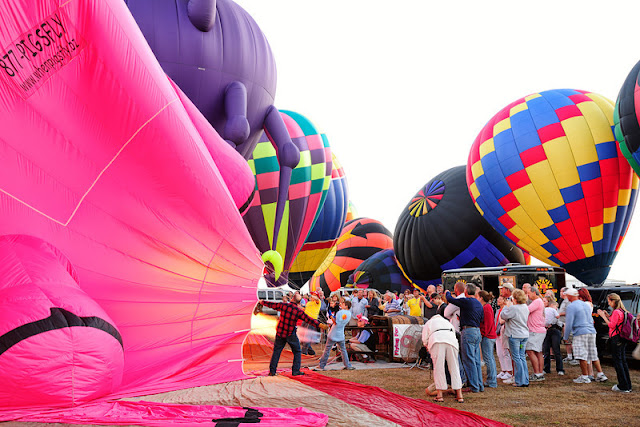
x=216, y=53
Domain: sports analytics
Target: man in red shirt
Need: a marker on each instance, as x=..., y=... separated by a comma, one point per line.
x=290, y=313
x=488, y=333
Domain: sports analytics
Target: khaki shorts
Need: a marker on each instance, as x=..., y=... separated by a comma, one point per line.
x=535, y=341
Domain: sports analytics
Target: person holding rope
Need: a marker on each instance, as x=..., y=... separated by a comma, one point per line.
x=336, y=336
x=290, y=313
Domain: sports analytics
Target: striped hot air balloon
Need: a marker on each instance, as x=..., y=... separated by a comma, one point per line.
x=381, y=272
x=360, y=239
x=547, y=173
x=326, y=230
x=308, y=182
x=627, y=119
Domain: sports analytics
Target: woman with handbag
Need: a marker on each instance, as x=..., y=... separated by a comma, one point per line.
x=617, y=343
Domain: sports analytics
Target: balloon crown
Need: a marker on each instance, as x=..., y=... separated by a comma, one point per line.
x=427, y=198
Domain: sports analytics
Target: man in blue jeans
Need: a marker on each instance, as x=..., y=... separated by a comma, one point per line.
x=471, y=315
x=290, y=312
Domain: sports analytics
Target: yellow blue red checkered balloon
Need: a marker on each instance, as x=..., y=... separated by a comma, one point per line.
x=547, y=173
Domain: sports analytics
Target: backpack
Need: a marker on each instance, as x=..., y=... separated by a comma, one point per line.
x=629, y=328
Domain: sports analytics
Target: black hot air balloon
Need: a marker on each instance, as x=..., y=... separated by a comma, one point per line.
x=441, y=229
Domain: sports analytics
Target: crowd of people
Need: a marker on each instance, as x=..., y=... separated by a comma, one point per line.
x=519, y=324
x=316, y=311
x=464, y=332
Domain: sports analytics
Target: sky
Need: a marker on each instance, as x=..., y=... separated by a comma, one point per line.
x=403, y=88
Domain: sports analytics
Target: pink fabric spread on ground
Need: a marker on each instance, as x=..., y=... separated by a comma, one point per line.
x=163, y=414
x=402, y=410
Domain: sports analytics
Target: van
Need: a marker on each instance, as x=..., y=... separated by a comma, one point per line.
x=271, y=295
x=490, y=278
x=630, y=296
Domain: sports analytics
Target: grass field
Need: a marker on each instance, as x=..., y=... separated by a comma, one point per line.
x=557, y=401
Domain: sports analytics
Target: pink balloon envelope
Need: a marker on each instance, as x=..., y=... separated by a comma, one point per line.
x=103, y=158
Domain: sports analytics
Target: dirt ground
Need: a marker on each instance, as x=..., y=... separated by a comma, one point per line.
x=557, y=401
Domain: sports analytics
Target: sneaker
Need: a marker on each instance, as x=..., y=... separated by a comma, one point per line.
x=349, y=368
x=592, y=378
x=615, y=388
x=536, y=377
x=567, y=359
x=295, y=374
x=509, y=380
x=601, y=377
x=507, y=376
x=582, y=379
x=573, y=362
x=560, y=373
x=272, y=374
x=318, y=368
x=500, y=376
x=311, y=352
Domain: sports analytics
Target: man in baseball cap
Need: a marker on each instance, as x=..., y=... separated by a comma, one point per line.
x=571, y=292
x=505, y=290
x=579, y=322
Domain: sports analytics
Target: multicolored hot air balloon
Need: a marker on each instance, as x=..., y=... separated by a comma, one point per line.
x=380, y=271
x=326, y=230
x=304, y=196
x=627, y=118
x=359, y=239
x=440, y=229
x=311, y=132
x=547, y=173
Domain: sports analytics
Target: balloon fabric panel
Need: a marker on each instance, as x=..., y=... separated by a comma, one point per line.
x=547, y=173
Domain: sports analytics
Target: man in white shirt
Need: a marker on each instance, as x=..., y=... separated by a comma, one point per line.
x=452, y=314
x=358, y=306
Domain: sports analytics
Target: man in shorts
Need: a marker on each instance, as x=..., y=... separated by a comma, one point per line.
x=580, y=322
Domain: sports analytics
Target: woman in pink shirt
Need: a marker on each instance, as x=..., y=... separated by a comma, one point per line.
x=618, y=345
x=537, y=333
